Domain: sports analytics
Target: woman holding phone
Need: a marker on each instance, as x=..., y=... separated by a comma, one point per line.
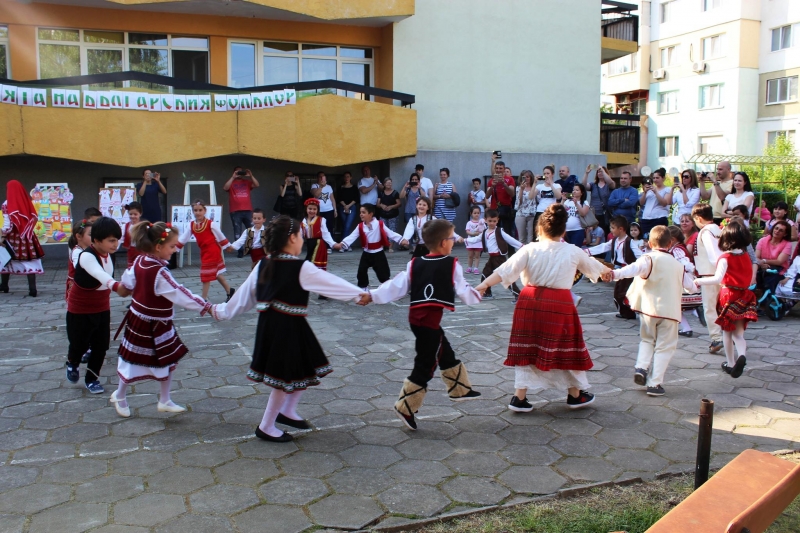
x=656, y=198
x=600, y=191
x=291, y=195
x=686, y=193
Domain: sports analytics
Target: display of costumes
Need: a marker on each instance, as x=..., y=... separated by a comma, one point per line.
x=19, y=221
x=210, y=240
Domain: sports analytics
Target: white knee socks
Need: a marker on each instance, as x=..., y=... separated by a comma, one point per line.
x=122, y=389
x=289, y=408
x=163, y=395
x=276, y=400
x=684, y=324
x=727, y=343
x=738, y=340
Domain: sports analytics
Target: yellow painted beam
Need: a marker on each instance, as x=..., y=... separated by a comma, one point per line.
x=618, y=158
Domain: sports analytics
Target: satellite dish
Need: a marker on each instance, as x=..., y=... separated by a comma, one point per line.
x=646, y=171
x=673, y=172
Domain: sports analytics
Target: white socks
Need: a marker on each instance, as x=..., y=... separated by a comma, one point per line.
x=163, y=396
x=684, y=324
x=122, y=388
x=276, y=400
x=731, y=339
x=289, y=408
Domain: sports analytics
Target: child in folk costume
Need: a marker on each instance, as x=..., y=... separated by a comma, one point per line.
x=622, y=254
x=690, y=299
x=211, y=241
x=374, y=237
x=88, y=310
x=134, y=210
x=253, y=240
x=706, y=256
x=413, y=229
x=656, y=295
x=80, y=239
x=495, y=241
x=476, y=225
x=19, y=220
x=737, y=303
x=150, y=347
x=317, y=235
x=287, y=355
x=433, y=280
x=546, y=347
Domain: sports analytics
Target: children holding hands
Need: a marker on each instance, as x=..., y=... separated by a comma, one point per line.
x=495, y=241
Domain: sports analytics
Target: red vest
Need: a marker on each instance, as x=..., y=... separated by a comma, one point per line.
x=316, y=229
x=87, y=300
x=383, y=243
x=144, y=302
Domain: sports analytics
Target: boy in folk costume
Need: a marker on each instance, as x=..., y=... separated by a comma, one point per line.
x=706, y=255
x=433, y=280
x=374, y=237
x=253, y=240
x=495, y=242
x=621, y=255
x=656, y=295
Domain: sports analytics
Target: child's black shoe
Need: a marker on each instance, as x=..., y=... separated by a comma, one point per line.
x=471, y=395
x=409, y=420
x=583, y=399
x=520, y=406
x=230, y=294
x=72, y=373
x=640, y=376
x=658, y=390
x=738, y=368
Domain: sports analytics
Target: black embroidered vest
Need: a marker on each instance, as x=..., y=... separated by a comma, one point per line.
x=432, y=281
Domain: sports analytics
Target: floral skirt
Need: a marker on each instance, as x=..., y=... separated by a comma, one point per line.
x=733, y=305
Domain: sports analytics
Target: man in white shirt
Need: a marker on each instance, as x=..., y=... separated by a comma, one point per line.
x=324, y=193
x=424, y=183
x=369, y=186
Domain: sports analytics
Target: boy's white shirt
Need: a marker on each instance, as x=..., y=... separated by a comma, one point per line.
x=373, y=232
x=399, y=286
x=642, y=268
x=491, y=240
x=243, y=237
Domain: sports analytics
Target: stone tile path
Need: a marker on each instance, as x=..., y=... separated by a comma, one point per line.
x=68, y=463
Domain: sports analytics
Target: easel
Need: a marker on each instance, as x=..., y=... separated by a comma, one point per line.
x=187, y=200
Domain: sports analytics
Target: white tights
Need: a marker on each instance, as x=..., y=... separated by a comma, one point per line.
x=734, y=338
x=685, y=326
x=163, y=396
x=279, y=402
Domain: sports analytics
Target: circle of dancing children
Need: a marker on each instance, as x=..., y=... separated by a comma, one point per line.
x=253, y=240
x=150, y=348
x=476, y=225
x=495, y=241
x=413, y=229
x=22, y=244
x=546, y=347
x=736, y=304
x=211, y=241
x=134, y=210
x=287, y=355
x=433, y=280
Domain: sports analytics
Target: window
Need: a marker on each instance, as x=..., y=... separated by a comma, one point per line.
x=782, y=38
x=274, y=63
x=669, y=56
x=623, y=65
x=667, y=146
x=714, y=47
x=782, y=90
x=76, y=52
x=639, y=107
x=668, y=102
x=712, y=144
x=708, y=5
x=4, y=71
x=667, y=11
x=772, y=136
x=711, y=96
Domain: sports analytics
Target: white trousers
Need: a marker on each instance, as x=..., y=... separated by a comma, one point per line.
x=710, y=295
x=659, y=340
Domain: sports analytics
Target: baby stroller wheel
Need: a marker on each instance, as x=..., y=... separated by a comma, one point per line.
x=775, y=309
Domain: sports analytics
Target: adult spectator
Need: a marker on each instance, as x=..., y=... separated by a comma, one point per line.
x=369, y=186
x=148, y=191
x=425, y=184
x=327, y=203
x=411, y=192
x=781, y=212
x=501, y=192
x=773, y=252
x=623, y=200
x=685, y=195
x=723, y=184
x=239, y=186
x=291, y=195
x=566, y=180
x=388, y=206
x=477, y=196
x=689, y=230
x=600, y=190
x=444, y=190
x=741, y=194
x=797, y=209
x=526, y=207
x=576, y=207
x=347, y=195
x=656, y=198
x=761, y=215
x=547, y=192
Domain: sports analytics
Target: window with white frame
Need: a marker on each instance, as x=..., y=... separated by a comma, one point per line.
x=711, y=144
x=668, y=146
x=667, y=10
x=270, y=63
x=772, y=136
x=69, y=52
x=708, y=5
x=4, y=70
x=669, y=56
x=714, y=47
x=782, y=90
x=623, y=65
x=639, y=107
x=668, y=102
x=711, y=96
x=783, y=37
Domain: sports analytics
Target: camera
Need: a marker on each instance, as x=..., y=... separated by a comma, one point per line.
x=241, y=173
x=647, y=181
x=498, y=153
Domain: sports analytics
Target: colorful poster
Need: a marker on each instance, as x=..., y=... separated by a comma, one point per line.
x=113, y=201
x=181, y=216
x=52, y=202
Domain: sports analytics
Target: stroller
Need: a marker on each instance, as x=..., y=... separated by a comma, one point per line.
x=779, y=302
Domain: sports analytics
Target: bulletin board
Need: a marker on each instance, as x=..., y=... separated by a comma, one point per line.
x=113, y=200
x=53, y=204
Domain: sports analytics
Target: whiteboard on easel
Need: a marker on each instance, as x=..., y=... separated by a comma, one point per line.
x=196, y=188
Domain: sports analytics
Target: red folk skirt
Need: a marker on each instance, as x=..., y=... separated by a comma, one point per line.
x=211, y=262
x=317, y=253
x=150, y=343
x=735, y=304
x=546, y=332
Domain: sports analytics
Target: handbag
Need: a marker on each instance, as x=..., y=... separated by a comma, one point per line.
x=453, y=201
x=588, y=220
x=278, y=204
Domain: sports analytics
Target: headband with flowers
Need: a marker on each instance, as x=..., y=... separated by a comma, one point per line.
x=311, y=201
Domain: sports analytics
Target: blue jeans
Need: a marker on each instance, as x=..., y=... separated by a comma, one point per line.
x=241, y=220
x=576, y=237
x=348, y=221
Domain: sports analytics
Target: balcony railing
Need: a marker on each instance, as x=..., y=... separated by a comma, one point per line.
x=619, y=133
x=623, y=27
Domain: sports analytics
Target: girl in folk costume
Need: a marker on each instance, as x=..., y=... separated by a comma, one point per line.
x=737, y=304
x=19, y=220
x=689, y=300
x=211, y=242
x=80, y=240
x=414, y=226
x=315, y=231
x=134, y=210
x=150, y=347
x=287, y=355
x=546, y=347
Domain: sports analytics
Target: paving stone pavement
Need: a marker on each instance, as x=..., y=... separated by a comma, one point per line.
x=68, y=463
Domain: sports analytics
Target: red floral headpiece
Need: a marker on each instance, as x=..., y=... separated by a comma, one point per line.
x=311, y=201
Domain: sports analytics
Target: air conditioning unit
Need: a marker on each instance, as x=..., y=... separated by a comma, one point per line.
x=660, y=74
x=699, y=66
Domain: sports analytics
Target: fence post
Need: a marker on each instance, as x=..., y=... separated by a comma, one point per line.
x=704, y=442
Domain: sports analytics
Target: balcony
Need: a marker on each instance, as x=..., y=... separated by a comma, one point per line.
x=620, y=138
x=620, y=30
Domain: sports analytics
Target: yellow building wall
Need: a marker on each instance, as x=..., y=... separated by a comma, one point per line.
x=10, y=130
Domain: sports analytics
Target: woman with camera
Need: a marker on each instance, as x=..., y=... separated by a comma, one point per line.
x=600, y=191
x=686, y=193
x=656, y=198
x=526, y=207
x=291, y=196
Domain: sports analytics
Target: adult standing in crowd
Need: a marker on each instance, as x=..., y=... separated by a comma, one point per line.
x=347, y=195
x=566, y=180
x=623, y=200
x=369, y=186
x=656, y=198
x=388, y=207
x=19, y=220
x=526, y=207
x=781, y=212
x=411, y=192
x=773, y=252
x=600, y=190
x=239, y=186
x=547, y=192
x=501, y=192
x=741, y=194
x=723, y=184
x=685, y=195
x=444, y=191
x=291, y=196
x=425, y=184
x=576, y=207
x=327, y=203
x=148, y=191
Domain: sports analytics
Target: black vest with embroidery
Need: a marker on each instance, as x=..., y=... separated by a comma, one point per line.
x=282, y=292
x=82, y=278
x=432, y=282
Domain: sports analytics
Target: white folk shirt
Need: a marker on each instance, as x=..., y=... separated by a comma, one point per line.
x=102, y=273
x=616, y=244
x=308, y=231
x=549, y=264
x=373, y=231
x=239, y=243
x=414, y=226
x=400, y=285
x=167, y=287
x=491, y=241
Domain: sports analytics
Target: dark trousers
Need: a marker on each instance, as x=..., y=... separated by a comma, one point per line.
x=377, y=262
x=649, y=223
x=507, y=219
x=241, y=220
x=488, y=269
x=93, y=331
x=620, y=290
x=433, y=350
x=4, y=279
x=330, y=220
x=768, y=281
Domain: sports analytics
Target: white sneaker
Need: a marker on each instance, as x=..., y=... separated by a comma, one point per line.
x=124, y=412
x=170, y=407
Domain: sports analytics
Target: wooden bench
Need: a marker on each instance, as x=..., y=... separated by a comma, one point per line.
x=746, y=496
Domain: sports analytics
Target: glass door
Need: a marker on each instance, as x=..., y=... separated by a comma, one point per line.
x=243, y=64
x=356, y=73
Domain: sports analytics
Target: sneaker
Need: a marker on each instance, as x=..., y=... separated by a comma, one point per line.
x=738, y=368
x=471, y=395
x=658, y=390
x=640, y=376
x=578, y=301
x=95, y=388
x=85, y=357
x=715, y=347
x=520, y=406
x=407, y=420
x=726, y=368
x=72, y=373
x=230, y=294
x=582, y=400
x=688, y=333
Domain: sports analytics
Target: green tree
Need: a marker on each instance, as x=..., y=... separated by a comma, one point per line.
x=780, y=181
